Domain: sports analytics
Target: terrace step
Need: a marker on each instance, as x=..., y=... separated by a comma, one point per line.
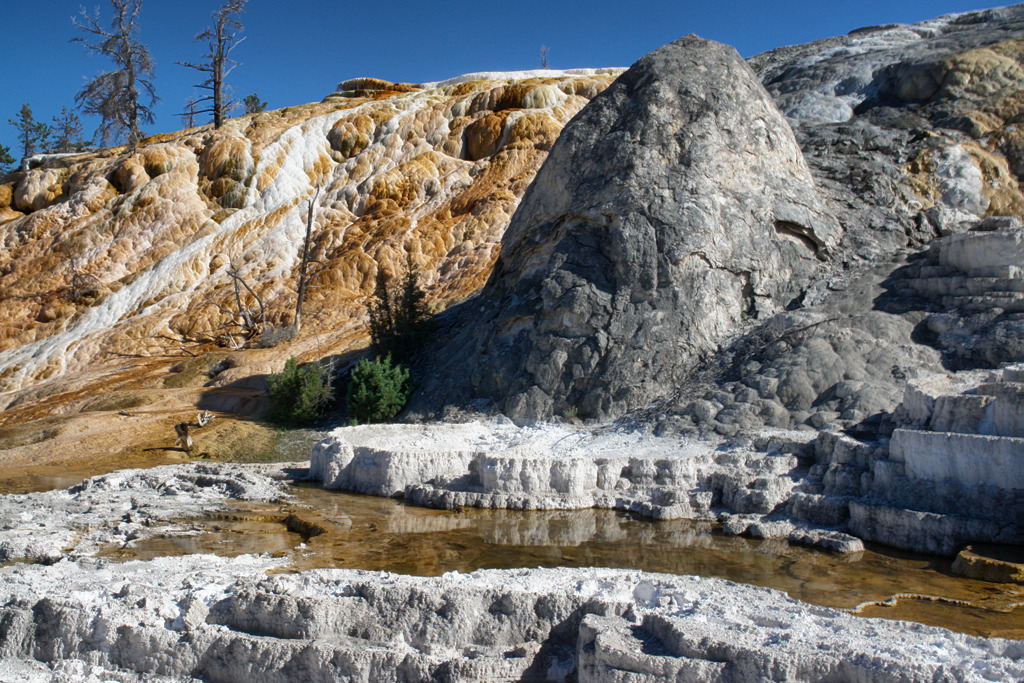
x=973, y=459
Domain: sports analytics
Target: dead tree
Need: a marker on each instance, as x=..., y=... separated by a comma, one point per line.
x=221, y=38
x=82, y=286
x=248, y=317
x=181, y=429
x=304, y=266
x=188, y=117
x=114, y=95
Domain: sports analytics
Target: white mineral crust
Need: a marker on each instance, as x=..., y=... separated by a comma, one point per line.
x=213, y=618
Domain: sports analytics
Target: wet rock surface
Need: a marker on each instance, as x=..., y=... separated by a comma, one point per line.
x=547, y=467
x=116, y=508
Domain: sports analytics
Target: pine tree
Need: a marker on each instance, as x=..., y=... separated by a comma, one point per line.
x=377, y=390
x=382, y=320
x=33, y=135
x=67, y=132
x=5, y=159
x=399, y=322
x=411, y=314
x=252, y=104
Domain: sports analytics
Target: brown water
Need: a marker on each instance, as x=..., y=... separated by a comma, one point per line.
x=346, y=530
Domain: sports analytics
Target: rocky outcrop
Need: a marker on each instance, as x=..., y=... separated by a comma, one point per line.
x=907, y=134
x=844, y=362
x=909, y=129
x=126, y=505
x=550, y=467
x=911, y=455
x=672, y=206
x=976, y=281
x=202, y=617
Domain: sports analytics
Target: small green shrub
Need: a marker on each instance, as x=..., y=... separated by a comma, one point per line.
x=377, y=390
x=300, y=394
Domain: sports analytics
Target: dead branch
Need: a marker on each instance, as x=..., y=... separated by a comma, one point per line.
x=82, y=285
x=247, y=319
x=182, y=430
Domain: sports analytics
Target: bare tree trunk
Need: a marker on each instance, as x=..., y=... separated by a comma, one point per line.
x=251, y=322
x=133, y=93
x=221, y=39
x=114, y=95
x=304, y=266
x=218, y=90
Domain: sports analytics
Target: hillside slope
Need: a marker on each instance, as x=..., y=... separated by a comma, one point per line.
x=111, y=262
x=114, y=269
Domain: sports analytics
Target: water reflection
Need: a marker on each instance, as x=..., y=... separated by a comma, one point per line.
x=345, y=530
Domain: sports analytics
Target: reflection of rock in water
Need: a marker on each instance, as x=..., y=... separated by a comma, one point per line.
x=557, y=528
x=331, y=529
x=227, y=538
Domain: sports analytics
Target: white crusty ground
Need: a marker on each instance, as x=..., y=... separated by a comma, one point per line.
x=162, y=620
x=125, y=505
x=711, y=619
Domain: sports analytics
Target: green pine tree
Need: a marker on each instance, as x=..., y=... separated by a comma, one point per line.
x=67, y=132
x=399, y=321
x=6, y=160
x=300, y=394
x=377, y=390
x=252, y=104
x=32, y=134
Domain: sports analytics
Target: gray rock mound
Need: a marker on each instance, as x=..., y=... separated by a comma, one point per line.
x=953, y=472
x=844, y=362
x=674, y=205
x=975, y=284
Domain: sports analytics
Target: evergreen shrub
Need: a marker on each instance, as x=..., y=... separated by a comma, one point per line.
x=377, y=390
x=300, y=394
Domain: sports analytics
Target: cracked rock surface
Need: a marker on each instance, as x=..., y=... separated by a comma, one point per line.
x=551, y=467
x=615, y=272
x=208, y=618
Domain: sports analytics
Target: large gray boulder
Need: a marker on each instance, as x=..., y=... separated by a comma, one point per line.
x=674, y=205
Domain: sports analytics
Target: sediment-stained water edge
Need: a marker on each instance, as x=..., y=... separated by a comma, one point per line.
x=329, y=529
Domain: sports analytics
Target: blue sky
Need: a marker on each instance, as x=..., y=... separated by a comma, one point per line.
x=296, y=51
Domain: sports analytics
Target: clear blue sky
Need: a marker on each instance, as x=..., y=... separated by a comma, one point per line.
x=296, y=51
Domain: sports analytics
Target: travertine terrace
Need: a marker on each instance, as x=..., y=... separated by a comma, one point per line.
x=729, y=257
x=107, y=256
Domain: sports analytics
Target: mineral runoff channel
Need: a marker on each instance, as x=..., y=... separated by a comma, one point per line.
x=323, y=529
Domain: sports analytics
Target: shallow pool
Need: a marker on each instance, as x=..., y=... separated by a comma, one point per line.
x=332, y=529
